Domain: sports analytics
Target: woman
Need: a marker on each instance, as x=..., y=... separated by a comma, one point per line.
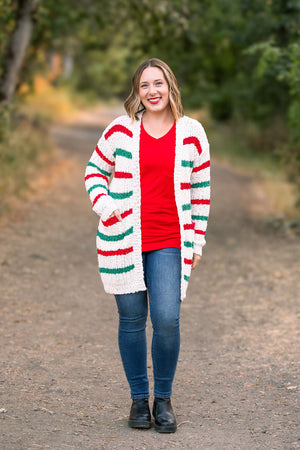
x=153, y=218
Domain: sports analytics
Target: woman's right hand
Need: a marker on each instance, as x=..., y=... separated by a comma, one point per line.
x=117, y=214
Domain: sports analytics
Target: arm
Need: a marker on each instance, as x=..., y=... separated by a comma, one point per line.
x=200, y=193
x=97, y=174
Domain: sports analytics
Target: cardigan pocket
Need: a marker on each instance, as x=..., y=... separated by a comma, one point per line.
x=115, y=245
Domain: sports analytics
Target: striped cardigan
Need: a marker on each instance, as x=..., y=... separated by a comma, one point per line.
x=113, y=182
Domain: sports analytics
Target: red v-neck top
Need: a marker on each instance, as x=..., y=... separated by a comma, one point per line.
x=159, y=217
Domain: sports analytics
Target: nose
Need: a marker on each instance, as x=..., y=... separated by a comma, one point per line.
x=152, y=89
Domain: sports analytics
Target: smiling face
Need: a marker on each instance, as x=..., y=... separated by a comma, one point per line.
x=154, y=90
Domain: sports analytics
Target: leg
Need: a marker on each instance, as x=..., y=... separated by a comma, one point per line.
x=163, y=273
x=133, y=310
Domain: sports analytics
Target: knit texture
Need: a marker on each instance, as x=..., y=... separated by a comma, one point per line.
x=113, y=182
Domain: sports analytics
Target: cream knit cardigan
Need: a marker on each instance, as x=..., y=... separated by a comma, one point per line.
x=113, y=182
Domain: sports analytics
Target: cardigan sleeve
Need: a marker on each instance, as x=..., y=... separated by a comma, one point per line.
x=97, y=175
x=200, y=189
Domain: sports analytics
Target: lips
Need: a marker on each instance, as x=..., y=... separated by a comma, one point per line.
x=154, y=100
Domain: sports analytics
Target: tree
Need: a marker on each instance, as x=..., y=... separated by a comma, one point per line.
x=16, y=49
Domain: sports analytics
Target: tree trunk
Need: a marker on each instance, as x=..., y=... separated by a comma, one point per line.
x=16, y=50
x=68, y=65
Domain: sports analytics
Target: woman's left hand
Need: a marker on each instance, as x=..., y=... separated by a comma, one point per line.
x=196, y=260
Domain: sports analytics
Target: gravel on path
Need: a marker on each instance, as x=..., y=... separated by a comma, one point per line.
x=62, y=384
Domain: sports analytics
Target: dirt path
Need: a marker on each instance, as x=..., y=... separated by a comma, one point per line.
x=62, y=384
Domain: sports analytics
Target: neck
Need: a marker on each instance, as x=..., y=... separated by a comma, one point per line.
x=161, y=117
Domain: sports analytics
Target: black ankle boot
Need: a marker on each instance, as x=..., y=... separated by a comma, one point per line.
x=165, y=421
x=140, y=416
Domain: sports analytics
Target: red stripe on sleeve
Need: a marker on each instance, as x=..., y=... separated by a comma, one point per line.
x=119, y=128
x=97, y=198
x=99, y=175
x=188, y=261
x=195, y=141
x=200, y=232
x=104, y=157
x=203, y=166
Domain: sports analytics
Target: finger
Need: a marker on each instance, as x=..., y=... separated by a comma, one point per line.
x=196, y=260
x=118, y=215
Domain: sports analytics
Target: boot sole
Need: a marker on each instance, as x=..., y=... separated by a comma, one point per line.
x=165, y=429
x=138, y=424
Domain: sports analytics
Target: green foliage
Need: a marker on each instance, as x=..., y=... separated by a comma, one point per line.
x=240, y=58
x=279, y=62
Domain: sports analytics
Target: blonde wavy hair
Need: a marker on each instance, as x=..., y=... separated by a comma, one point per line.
x=133, y=104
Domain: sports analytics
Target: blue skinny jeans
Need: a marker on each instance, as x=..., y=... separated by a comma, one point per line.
x=162, y=271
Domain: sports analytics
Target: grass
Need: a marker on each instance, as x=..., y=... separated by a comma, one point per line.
x=25, y=152
x=264, y=167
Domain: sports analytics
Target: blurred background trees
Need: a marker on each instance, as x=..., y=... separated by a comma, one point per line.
x=240, y=59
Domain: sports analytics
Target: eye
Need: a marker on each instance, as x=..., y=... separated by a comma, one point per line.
x=143, y=86
x=158, y=83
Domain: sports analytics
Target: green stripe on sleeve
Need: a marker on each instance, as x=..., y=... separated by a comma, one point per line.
x=205, y=218
x=186, y=278
x=186, y=207
x=188, y=244
x=107, y=174
x=95, y=187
